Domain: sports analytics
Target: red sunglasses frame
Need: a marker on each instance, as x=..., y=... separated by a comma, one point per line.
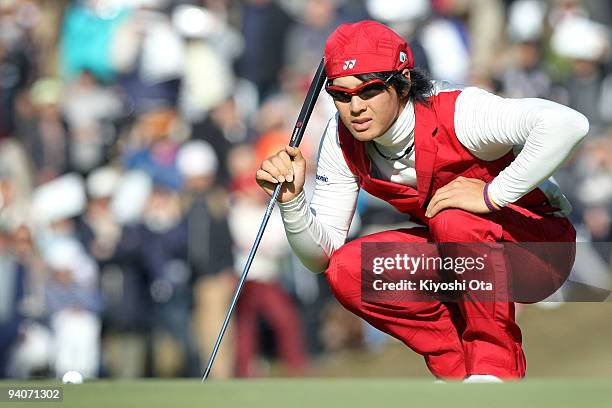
x=357, y=91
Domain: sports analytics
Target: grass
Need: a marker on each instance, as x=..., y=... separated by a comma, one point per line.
x=337, y=392
x=569, y=365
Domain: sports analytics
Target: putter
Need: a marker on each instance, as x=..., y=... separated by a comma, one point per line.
x=296, y=138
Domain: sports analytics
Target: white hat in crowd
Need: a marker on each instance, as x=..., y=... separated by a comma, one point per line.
x=196, y=158
x=130, y=196
x=103, y=182
x=153, y=4
x=526, y=20
x=64, y=253
x=59, y=199
x=195, y=22
x=398, y=11
x=580, y=38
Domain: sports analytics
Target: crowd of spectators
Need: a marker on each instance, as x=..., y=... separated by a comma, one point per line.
x=130, y=131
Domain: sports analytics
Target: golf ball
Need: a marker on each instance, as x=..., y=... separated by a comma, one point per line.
x=72, y=377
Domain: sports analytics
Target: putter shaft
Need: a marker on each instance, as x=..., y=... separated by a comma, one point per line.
x=245, y=272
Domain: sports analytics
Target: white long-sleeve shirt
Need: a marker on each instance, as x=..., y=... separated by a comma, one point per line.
x=543, y=133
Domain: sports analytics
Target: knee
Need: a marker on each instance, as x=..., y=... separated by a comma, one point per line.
x=344, y=274
x=454, y=225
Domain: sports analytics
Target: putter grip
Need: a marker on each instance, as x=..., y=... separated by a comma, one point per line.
x=308, y=106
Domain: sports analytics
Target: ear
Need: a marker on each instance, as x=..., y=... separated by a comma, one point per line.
x=406, y=73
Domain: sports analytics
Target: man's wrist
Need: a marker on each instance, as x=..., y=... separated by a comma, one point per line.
x=292, y=199
x=292, y=203
x=295, y=213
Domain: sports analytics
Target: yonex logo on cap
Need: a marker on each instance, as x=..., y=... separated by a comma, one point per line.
x=349, y=64
x=403, y=56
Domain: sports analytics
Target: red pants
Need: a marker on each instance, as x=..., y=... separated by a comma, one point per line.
x=270, y=302
x=456, y=339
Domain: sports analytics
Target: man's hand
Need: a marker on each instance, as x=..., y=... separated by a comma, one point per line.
x=288, y=167
x=462, y=193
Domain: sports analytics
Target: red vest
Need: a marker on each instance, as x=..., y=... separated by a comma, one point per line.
x=439, y=159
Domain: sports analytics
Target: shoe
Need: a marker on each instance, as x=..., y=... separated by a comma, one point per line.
x=482, y=379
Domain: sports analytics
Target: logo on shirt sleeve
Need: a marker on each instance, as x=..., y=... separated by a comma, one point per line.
x=322, y=178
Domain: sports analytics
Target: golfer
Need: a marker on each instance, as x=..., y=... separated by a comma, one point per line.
x=467, y=165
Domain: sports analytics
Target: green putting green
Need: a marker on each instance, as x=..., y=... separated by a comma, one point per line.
x=338, y=393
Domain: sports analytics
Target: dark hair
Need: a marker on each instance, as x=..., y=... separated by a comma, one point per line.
x=418, y=88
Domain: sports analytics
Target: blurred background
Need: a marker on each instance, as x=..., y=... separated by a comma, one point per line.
x=130, y=131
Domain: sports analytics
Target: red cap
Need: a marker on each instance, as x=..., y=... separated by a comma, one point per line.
x=365, y=47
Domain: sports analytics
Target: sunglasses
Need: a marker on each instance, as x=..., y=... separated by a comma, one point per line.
x=365, y=91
